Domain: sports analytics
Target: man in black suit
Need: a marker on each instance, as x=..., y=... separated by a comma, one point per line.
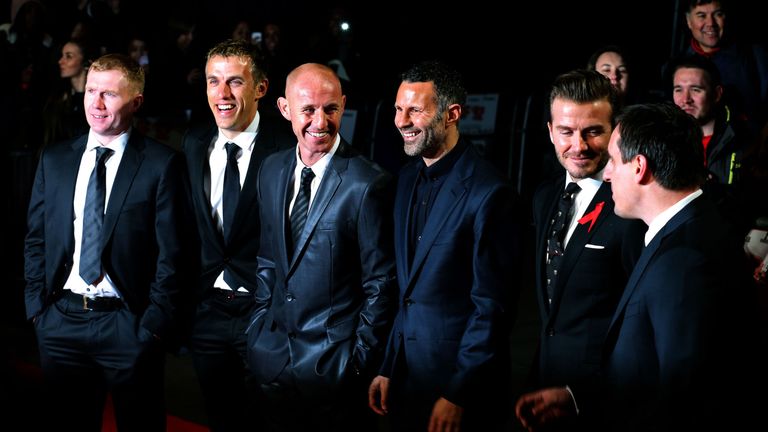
x=101, y=274
x=446, y=365
x=326, y=267
x=228, y=250
x=682, y=342
x=599, y=249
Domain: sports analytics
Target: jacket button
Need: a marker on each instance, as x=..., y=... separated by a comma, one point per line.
x=551, y=332
x=408, y=302
x=291, y=335
x=289, y=297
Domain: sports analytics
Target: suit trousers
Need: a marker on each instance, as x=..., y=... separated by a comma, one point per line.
x=86, y=355
x=287, y=409
x=218, y=346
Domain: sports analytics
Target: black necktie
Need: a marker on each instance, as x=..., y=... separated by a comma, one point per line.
x=556, y=235
x=93, y=217
x=301, y=206
x=231, y=192
x=230, y=196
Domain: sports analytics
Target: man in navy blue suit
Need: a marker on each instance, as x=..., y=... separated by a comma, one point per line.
x=446, y=365
x=679, y=346
x=101, y=330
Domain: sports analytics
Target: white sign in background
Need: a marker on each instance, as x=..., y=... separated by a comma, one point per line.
x=479, y=115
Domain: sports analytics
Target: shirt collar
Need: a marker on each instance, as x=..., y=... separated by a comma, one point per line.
x=244, y=139
x=117, y=145
x=445, y=163
x=662, y=218
x=318, y=167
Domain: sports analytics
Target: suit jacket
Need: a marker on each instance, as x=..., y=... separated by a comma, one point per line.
x=456, y=295
x=595, y=267
x=239, y=253
x=677, y=349
x=141, y=237
x=326, y=309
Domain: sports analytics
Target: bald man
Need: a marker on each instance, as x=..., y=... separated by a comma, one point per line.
x=326, y=267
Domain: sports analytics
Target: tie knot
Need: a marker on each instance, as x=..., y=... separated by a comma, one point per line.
x=306, y=176
x=232, y=149
x=571, y=189
x=102, y=153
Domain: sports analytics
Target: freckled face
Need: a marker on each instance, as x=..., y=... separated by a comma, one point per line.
x=110, y=102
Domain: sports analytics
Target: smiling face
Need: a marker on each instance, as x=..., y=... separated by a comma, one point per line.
x=706, y=23
x=110, y=102
x=233, y=93
x=580, y=133
x=418, y=120
x=693, y=93
x=314, y=105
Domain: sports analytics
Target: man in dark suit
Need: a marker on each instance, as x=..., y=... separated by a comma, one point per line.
x=326, y=267
x=678, y=348
x=228, y=254
x=101, y=309
x=599, y=249
x=447, y=360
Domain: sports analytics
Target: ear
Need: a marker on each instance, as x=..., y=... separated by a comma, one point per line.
x=551, y=135
x=282, y=105
x=454, y=114
x=137, y=101
x=261, y=88
x=640, y=167
x=718, y=93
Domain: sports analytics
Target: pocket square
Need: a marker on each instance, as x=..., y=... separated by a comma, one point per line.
x=591, y=246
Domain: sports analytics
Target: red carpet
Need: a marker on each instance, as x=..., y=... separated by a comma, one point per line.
x=175, y=424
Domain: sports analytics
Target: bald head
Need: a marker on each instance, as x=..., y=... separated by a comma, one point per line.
x=312, y=73
x=314, y=104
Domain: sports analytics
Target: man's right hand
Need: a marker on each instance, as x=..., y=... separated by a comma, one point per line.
x=542, y=409
x=378, y=392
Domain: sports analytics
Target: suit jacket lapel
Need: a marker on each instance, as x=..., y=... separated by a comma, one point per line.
x=447, y=199
x=262, y=147
x=402, y=217
x=126, y=172
x=645, y=257
x=581, y=237
x=67, y=175
x=328, y=186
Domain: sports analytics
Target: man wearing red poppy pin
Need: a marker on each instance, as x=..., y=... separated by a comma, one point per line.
x=597, y=252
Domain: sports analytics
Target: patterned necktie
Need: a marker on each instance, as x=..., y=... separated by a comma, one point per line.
x=557, y=232
x=93, y=218
x=301, y=206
